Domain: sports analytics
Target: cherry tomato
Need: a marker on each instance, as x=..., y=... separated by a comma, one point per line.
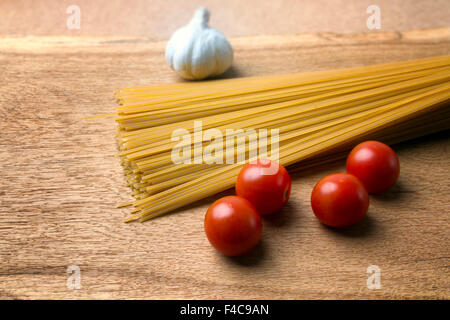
x=375, y=164
x=339, y=200
x=233, y=226
x=266, y=184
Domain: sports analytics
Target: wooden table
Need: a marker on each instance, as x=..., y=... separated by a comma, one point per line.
x=159, y=18
x=60, y=184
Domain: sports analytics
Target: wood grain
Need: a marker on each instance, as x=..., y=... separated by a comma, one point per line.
x=60, y=183
x=159, y=18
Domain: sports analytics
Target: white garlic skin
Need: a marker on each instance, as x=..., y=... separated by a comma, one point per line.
x=197, y=51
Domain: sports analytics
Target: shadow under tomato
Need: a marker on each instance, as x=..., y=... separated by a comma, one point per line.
x=365, y=228
x=396, y=193
x=287, y=216
x=250, y=259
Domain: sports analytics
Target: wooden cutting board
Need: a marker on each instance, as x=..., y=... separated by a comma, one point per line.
x=61, y=182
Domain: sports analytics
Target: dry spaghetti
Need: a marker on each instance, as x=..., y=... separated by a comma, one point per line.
x=318, y=115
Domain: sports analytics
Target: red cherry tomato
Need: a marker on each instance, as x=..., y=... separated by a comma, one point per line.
x=375, y=164
x=233, y=226
x=339, y=200
x=266, y=184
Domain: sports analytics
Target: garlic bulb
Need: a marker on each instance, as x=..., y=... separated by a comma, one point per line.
x=197, y=51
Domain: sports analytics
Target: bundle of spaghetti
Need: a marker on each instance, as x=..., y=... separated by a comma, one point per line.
x=317, y=115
